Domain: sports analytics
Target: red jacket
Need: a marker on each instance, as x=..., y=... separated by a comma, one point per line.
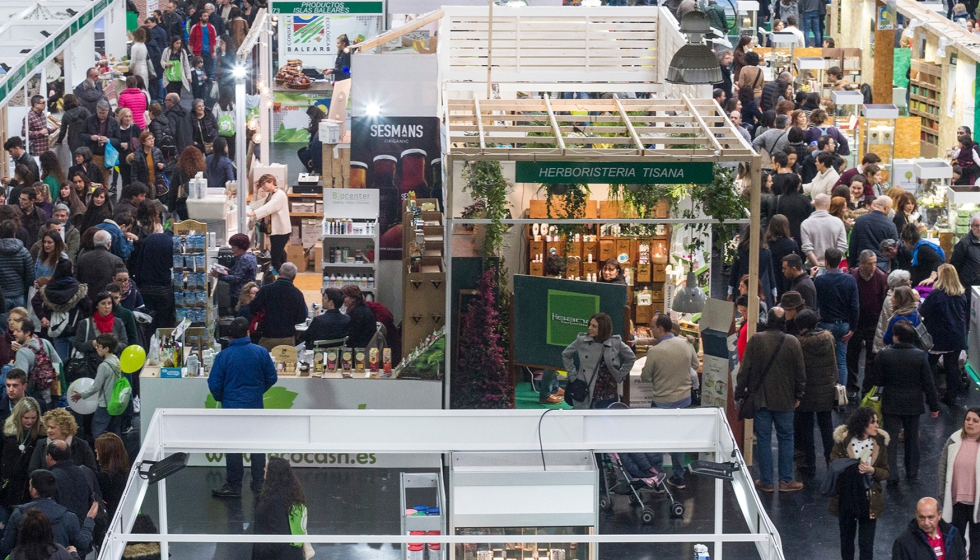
x=196, y=40
x=135, y=100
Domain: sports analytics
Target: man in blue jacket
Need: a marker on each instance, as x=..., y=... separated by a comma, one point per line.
x=241, y=375
x=837, y=301
x=67, y=529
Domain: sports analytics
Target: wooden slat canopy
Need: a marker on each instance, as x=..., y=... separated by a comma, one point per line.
x=608, y=128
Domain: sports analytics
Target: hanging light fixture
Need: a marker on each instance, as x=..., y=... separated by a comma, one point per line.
x=690, y=298
x=695, y=62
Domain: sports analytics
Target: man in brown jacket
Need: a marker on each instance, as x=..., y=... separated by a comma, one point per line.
x=776, y=394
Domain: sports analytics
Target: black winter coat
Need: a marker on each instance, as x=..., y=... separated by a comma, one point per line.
x=272, y=518
x=796, y=208
x=180, y=127
x=203, y=130
x=821, y=371
x=13, y=470
x=91, y=128
x=913, y=545
x=81, y=454
x=966, y=259
x=140, y=172
x=779, y=249
x=869, y=230
x=71, y=127
x=945, y=319
x=16, y=268
x=904, y=373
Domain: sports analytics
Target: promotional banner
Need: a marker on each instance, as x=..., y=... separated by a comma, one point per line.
x=312, y=38
x=396, y=155
x=549, y=314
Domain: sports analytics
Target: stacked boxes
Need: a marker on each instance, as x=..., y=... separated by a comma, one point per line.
x=336, y=166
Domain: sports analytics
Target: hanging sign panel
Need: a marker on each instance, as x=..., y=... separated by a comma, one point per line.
x=312, y=38
x=338, y=8
x=652, y=173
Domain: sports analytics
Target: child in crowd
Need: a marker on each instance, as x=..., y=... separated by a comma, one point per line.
x=105, y=379
x=200, y=82
x=960, y=14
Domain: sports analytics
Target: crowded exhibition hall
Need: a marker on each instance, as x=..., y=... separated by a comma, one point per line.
x=489, y=280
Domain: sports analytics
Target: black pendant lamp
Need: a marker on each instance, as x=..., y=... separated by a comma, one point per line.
x=695, y=62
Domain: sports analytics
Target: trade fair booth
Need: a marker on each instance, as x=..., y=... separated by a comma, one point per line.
x=526, y=468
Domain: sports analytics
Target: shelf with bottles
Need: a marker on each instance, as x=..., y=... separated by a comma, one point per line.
x=350, y=229
x=522, y=551
x=363, y=281
x=191, y=278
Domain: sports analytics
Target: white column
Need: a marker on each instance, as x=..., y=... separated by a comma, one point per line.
x=115, y=29
x=79, y=56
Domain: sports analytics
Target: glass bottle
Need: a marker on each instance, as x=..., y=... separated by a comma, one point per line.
x=358, y=175
x=413, y=173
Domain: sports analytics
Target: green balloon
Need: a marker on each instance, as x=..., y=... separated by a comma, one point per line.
x=132, y=359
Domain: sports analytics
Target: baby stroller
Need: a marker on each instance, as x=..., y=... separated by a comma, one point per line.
x=623, y=483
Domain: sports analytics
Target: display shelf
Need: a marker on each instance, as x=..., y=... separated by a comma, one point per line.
x=424, y=270
x=306, y=214
x=925, y=81
x=304, y=195
x=192, y=281
x=878, y=134
x=359, y=212
x=349, y=265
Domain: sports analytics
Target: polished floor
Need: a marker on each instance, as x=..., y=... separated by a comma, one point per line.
x=367, y=501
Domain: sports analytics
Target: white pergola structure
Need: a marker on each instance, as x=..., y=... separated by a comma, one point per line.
x=480, y=129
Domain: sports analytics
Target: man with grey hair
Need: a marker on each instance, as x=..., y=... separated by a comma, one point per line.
x=899, y=257
x=821, y=231
x=737, y=121
x=69, y=233
x=180, y=124
x=97, y=267
x=97, y=131
x=872, y=283
x=966, y=256
x=870, y=230
x=89, y=91
x=771, y=139
x=282, y=306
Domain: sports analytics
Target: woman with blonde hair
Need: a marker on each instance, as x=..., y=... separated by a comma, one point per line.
x=944, y=312
x=59, y=424
x=21, y=431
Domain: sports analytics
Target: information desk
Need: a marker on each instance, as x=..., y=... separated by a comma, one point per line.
x=300, y=392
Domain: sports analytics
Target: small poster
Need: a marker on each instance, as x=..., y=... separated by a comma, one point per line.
x=886, y=19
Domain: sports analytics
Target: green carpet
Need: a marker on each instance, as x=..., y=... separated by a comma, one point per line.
x=528, y=398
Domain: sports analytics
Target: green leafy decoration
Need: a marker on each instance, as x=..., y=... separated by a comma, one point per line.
x=486, y=182
x=278, y=397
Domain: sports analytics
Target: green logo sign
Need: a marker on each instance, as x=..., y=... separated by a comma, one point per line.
x=568, y=315
x=643, y=173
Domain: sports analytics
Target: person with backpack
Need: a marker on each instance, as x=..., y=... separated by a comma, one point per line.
x=224, y=114
x=37, y=356
x=60, y=305
x=105, y=386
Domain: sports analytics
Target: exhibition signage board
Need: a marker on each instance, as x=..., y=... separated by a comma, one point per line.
x=632, y=172
x=358, y=204
x=292, y=393
x=330, y=8
x=396, y=156
x=549, y=314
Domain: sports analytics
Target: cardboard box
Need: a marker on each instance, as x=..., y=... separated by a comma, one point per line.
x=296, y=254
x=296, y=237
x=315, y=254
x=305, y=207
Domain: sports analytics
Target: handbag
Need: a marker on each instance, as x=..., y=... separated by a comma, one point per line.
x=174, y=73
x=748, y=407
x=925, y=339
x=578, y=390
x=208, y=146
x=840, y=395
x=81, y=364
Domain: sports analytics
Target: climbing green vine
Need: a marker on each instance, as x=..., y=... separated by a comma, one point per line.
x=486, y=182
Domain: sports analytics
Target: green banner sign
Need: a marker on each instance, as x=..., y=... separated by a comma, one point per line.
x=332, y=8
x=568, y=315
x=652, y=173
